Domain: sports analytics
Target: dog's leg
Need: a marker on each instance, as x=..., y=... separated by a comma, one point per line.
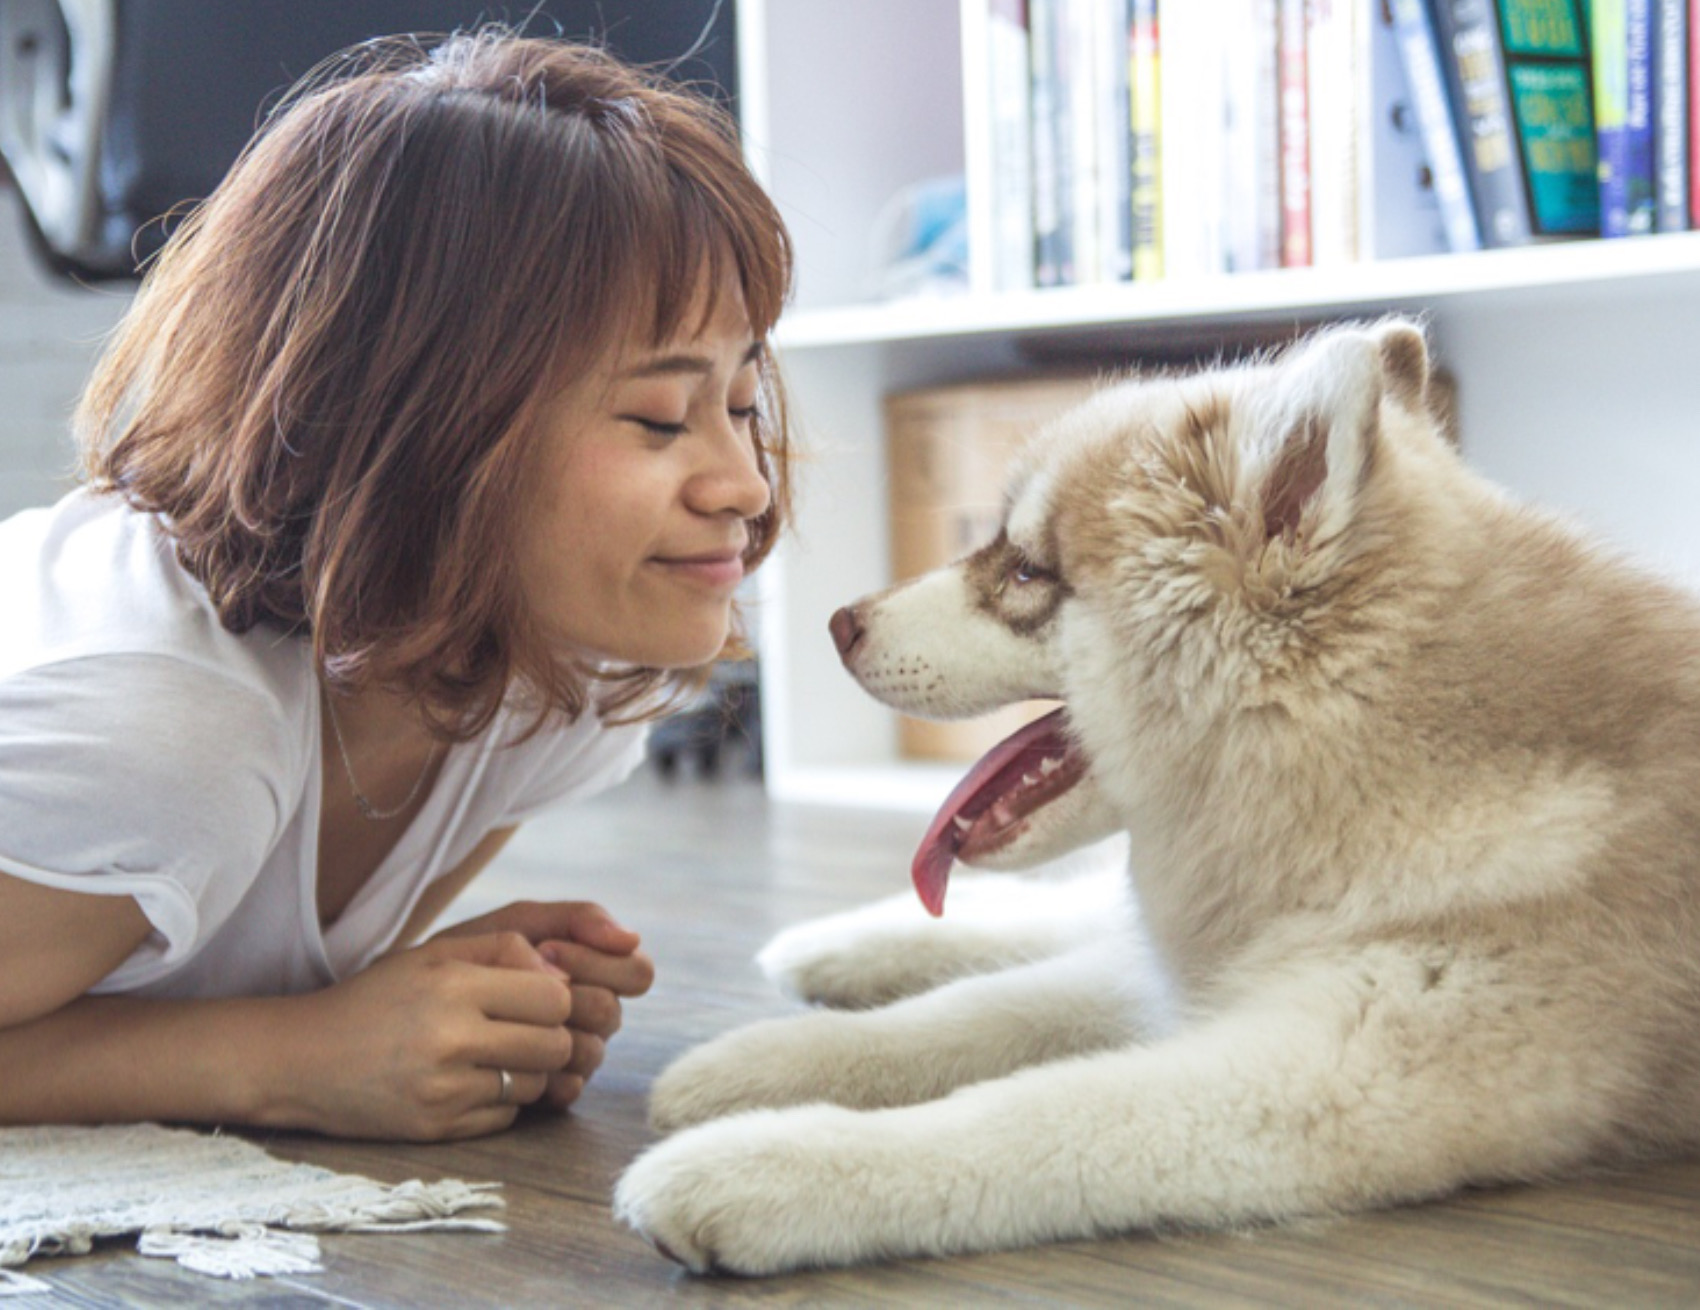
x=917, y=1049
x=1346, y=1093
x=891, y=949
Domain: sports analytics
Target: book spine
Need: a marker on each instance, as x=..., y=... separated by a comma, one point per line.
x=1609, y=29
x=1082, y=96
x=1050, y=235
x=1192, y=140
x=1694, y=111
x=1473, y=64
x=1146, y=111
x=1670, y=114
x=1267, y=120
x=1420, y=53
x=1295, y=137
x=1331, y=113
x=1638, y=39
x=1546, y=61
x=1009, y=113
x=1114, y=140
x=1252, y=182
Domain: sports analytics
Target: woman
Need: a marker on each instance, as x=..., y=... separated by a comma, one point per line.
x=421, y=473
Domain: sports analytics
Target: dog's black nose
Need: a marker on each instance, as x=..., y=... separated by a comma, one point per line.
x=846, y=628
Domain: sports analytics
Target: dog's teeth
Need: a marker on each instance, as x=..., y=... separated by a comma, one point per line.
x=1050, y=764
x=1028, y=780
x=962, y=824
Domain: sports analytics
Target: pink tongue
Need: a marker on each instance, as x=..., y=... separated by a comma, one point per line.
x=997, y=773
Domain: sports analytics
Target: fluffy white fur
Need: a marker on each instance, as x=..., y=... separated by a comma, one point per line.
x=1409, y=778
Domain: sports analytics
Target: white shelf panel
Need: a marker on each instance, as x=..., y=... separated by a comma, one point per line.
x=1285, y=294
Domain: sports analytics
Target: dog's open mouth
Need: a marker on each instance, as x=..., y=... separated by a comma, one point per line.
x=990, y=807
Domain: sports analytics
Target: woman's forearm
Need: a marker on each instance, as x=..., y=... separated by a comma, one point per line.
x=110, y=1059
x=445, y=1040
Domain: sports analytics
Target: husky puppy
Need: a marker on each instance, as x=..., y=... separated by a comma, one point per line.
x=1408, y=777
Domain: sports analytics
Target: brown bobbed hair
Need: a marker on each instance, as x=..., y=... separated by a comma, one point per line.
x=329, y=381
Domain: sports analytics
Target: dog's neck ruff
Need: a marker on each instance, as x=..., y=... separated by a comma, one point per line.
x=990, y=807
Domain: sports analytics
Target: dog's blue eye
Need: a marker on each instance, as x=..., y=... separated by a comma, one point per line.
x=1025, y=571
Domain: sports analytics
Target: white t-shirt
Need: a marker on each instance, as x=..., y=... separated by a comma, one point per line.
x=145, y=751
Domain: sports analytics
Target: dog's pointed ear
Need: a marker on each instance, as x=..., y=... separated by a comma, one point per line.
x=1323, y=428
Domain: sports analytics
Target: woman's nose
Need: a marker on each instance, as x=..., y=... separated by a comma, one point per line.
x=734, y=484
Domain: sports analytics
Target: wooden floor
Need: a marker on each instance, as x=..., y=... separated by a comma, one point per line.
x=707, y=873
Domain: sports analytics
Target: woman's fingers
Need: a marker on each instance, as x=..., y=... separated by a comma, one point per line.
x=596, y=1010
x=626, y=975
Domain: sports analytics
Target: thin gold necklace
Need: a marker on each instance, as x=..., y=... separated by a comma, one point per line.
x=367, y=809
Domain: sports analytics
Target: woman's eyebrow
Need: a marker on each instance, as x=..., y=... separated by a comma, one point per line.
x=666, y=365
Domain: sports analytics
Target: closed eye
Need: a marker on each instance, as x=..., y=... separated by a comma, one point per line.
x=655, y=426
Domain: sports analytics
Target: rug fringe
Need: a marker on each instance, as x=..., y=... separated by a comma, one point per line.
x=237, y=1251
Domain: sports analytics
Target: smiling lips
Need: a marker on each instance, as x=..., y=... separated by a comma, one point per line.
x=717, y=570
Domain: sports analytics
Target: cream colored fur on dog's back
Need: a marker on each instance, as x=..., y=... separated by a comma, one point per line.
x=1409, y=781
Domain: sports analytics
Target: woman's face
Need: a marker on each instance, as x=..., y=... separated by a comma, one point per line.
x=647, y=476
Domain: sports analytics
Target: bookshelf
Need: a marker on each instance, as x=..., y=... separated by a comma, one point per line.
x=1578, y=385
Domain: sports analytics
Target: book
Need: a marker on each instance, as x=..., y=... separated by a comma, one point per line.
x=1010, y=144
x=1293, y=83
x=1144, y=70
x=1193, y=149
x=1399, y=211
x=1547, y=70
x=1694, y=111
x=1113, y=138
x=1671, y=74
x=1053, y=261
x=1251, y=187
x=1413, y=25
x=949, y=449
x=1473, y=67
x=1332, y=114
x=1622, y=77
x=1079, y=99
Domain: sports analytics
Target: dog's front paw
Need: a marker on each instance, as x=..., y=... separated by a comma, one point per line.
x=767, y=1065
x=757, y=1194
x=867, y=957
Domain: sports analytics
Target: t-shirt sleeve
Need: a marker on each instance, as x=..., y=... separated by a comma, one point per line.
x=144, y=776
x=571, y=763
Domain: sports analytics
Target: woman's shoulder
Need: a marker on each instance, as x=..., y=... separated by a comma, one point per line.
x=90, y=578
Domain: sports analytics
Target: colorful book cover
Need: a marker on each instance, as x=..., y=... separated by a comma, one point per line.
x=1670, y=115
x=1146, y=106
x=1694, y=110
x=1414, y=25
x=1547, y=70
x=1472, y=62
x=1622, y=64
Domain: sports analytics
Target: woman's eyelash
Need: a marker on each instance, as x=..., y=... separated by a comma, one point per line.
x=743, y=413
x=659, y=429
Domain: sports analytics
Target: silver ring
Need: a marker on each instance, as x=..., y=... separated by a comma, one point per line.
x=505, y=1091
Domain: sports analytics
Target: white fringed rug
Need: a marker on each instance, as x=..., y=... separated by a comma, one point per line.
x=218, y=1205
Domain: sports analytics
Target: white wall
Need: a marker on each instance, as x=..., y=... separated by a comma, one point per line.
x=50, y=334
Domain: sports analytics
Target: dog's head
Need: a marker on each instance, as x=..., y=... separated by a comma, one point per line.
x=1179, y=557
